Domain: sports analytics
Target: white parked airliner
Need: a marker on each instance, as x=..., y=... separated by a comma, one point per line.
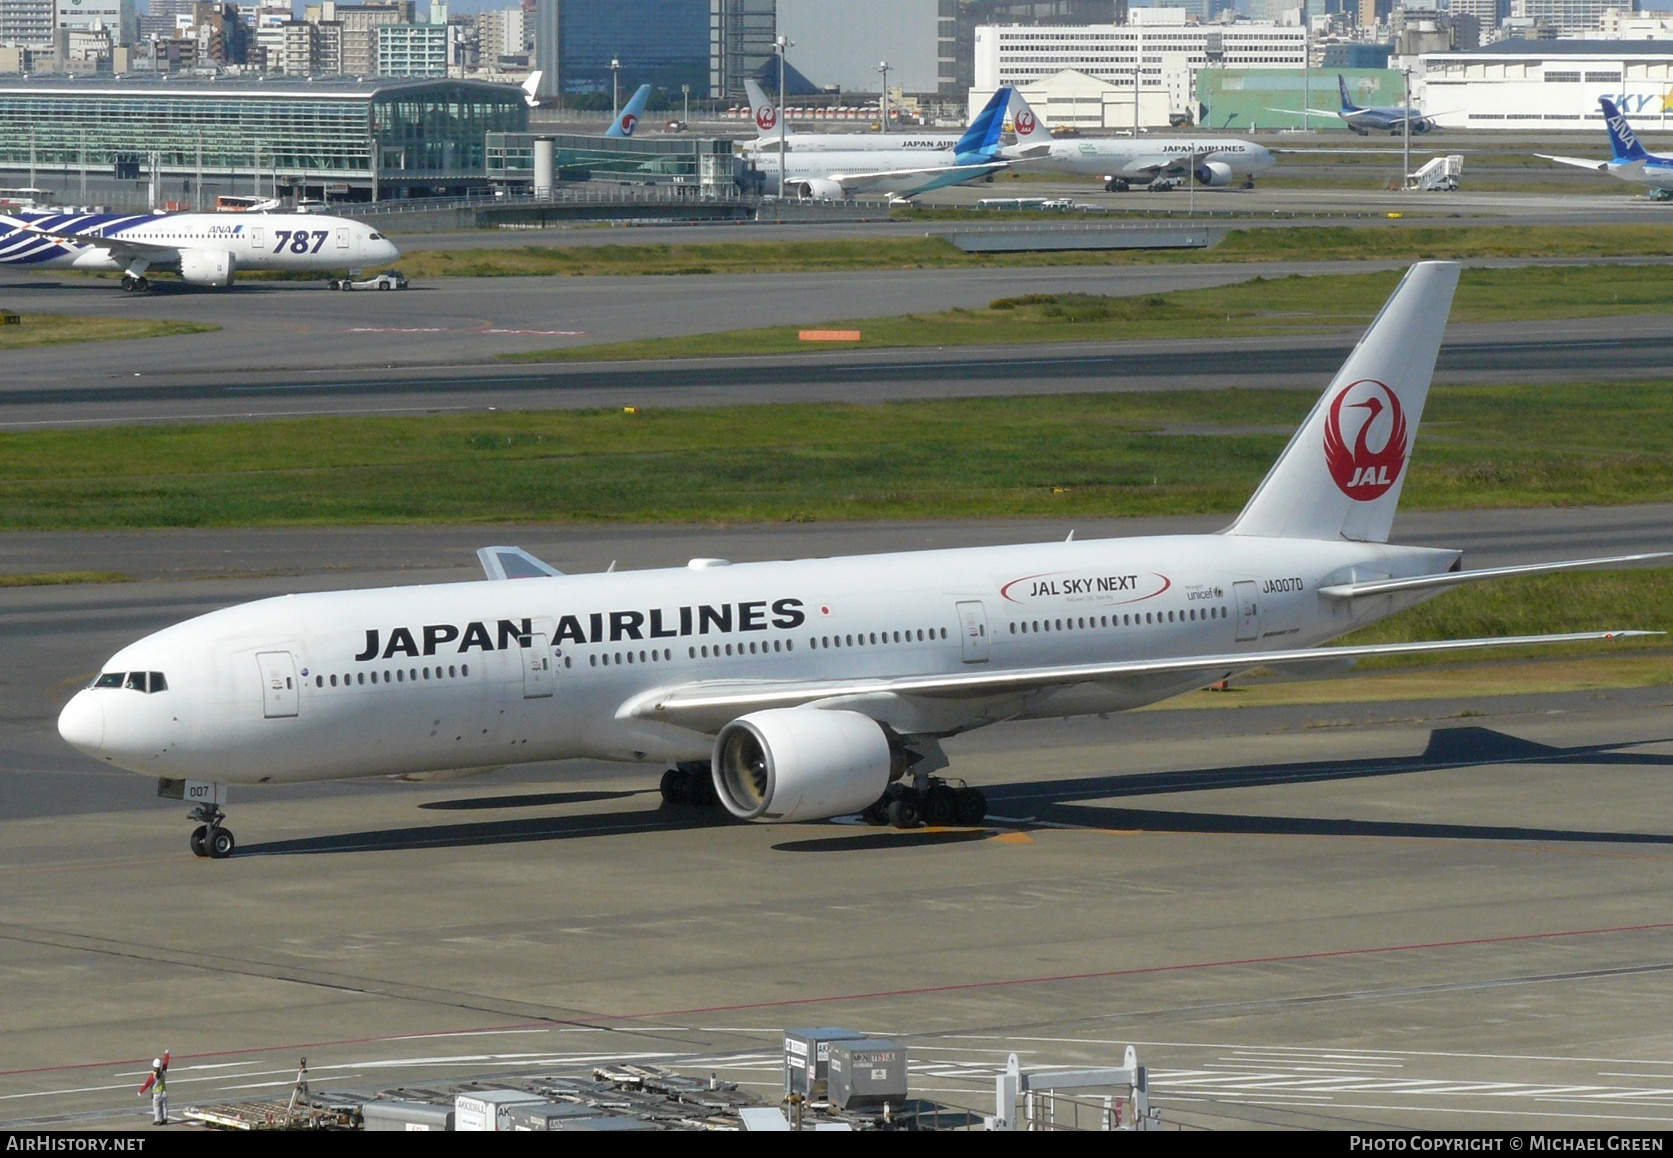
x=809, y=689
x=205, y=249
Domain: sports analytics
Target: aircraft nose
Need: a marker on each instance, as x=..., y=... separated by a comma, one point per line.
x=82, y=723
x=390, y=252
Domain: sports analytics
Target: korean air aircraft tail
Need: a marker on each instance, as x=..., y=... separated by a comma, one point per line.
x=981, y=139
x=1340, y=476
x=628, y=119
x=1623, y=142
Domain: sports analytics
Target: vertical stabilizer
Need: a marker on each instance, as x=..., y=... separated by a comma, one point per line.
x=1623, y=142
x=1340, y=476
x=761, y=110
x=1342, y=87
x=1030, y=129
x=983, y=134
x=628, y=119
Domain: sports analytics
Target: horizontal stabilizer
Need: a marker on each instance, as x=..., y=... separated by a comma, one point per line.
x=513, y=563
x=1577, y=162
x=1454, y=578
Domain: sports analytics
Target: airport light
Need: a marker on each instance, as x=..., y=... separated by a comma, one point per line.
x=1406, y=130
x=685, y=91
x=615, y=90
x=883, y=106
x=780, y=44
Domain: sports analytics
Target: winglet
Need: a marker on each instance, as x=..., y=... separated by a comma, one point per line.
x=513, y=563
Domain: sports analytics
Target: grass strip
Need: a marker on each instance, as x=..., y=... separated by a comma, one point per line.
x=63, y=578
x=54, y=329
x=1049, y=456
x=1378, y=239
x=1254, y=307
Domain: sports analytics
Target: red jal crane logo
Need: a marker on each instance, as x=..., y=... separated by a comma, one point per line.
x=766, y=117
x=1025, y=123
x=1364, y=473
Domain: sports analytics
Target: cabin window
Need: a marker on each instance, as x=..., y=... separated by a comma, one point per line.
x=464, y=669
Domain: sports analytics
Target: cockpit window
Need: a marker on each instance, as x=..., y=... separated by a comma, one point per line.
x=375, y=237
x=139, y=681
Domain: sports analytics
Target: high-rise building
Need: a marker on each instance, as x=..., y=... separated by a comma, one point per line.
x=118, y=17
x=741, y=36
x=547, y=45
x=412, y=50
x=1571, y=17
x=659, y=42
x=27, y=21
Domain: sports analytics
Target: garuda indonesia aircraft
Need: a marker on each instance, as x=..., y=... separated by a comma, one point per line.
x=205, y=249
x=1215, y=161
x=1629, y=159
x=807, y=689
x=899, y=171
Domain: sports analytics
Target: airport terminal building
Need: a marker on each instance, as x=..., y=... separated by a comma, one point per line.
x=98, y=141
x=1549, y=84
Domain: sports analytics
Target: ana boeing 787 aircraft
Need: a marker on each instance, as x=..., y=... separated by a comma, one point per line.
x=205, y=249
x=809, y=689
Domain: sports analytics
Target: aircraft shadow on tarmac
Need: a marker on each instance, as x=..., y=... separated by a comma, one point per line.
x=1054, y=802
x=1449, y=748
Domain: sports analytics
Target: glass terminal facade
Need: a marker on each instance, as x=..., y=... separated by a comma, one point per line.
x=365, y=141
x=707, y=165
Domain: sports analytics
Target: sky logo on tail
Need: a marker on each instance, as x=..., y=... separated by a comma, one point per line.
x=1364, y=474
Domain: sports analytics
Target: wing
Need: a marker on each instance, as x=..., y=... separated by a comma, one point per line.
x=1307, y=112
x=117, y=245
x=711, y=704
x=513, y=563
x=1577, y=162
x=1454, y=578
x=861, y=182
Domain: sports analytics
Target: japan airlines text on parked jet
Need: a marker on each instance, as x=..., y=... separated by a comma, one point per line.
x=1629, y=160
x=628, y=119
x=1214, y=161
x=1366, y=120
x=807, y=689
x=769, y=132
x=901, y=173
x=206, y=249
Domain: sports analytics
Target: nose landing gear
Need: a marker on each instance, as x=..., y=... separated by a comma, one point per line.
x=209, y=838
x=135, y=285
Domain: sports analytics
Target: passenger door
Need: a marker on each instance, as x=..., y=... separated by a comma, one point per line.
x=537, y=666
x=973, y=630
x=280, y=696
x=1248, y=611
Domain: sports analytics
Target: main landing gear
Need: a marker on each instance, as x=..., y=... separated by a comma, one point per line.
x=690, y=782
x=134, y=285
x=209, y=838
x=937, y=804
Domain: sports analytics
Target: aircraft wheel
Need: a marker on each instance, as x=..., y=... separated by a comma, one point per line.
x=674, y=786
x=903, y=810
x=220, y=843
x=700, y=785
x=875, y=814
x=940, y=806
x=970, y=806
x=141, y=286
x=198, y=835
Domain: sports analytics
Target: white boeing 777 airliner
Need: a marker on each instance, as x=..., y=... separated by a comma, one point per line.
x=807, y=689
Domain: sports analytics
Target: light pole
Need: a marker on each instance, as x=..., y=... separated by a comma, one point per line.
x=1406, y=133
x=883, y=106
x=780, y=44
x=685, y=91
x=615, y=91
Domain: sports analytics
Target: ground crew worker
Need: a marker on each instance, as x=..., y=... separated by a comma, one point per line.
x=157, y=1084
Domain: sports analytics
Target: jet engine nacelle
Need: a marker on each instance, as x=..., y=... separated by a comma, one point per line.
x=818, y=189
x=215, y=267
x=1214, y=173
x=1422, y=124
x=789, y=764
